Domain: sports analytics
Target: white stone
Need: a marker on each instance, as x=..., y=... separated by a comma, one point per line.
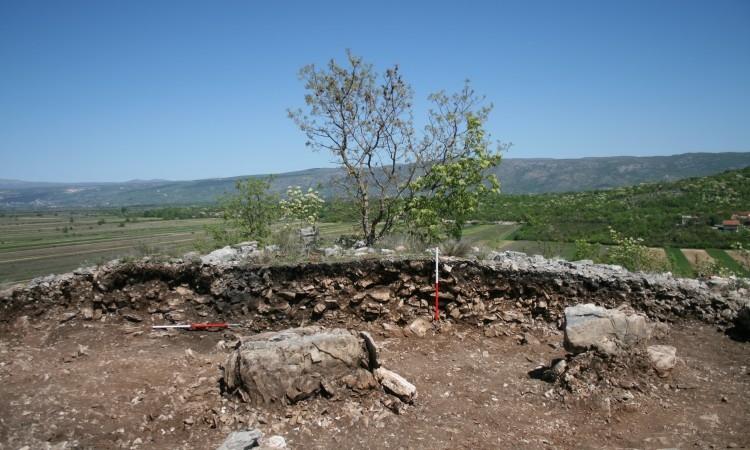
x=663, y=358
x=241, y=440
x=396, y=384
x=419, y=327
x=273, y=442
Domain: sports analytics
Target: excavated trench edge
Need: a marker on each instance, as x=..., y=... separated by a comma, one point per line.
x=509, y=290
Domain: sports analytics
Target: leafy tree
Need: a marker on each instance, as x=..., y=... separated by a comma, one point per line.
x=365, y=121
x=454, y=189
x=248, y=214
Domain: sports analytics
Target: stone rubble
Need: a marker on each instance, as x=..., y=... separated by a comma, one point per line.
x=523, y=298
x=609, y=360
x=232, y=254
x=510, y=295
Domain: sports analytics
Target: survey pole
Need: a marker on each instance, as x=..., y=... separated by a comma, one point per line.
x=437, y=285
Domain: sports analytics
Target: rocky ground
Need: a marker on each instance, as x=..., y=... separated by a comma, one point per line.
x=80, y=366
x=95, y=385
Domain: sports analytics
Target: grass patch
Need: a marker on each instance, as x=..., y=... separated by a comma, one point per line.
x=548, y=249
x=727, y=261
x=490, y=235
x=678, y=263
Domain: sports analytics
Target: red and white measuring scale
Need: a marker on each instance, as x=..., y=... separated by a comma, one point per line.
x=198, y=326
x=437, y=285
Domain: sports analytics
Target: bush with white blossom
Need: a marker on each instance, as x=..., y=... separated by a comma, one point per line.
x=302, y=206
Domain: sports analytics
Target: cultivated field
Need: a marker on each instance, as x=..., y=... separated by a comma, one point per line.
x=33, y=245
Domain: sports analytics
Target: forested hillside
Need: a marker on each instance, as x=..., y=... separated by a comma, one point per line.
x=649, y=211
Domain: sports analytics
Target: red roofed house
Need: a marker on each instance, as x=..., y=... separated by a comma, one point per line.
x=730, y=225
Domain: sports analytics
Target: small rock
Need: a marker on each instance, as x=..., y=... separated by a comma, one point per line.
x=380, y=295
x=133, y=317
x=395, y=405
x=396, y=384
x=359, y=244
x=419, y=327
x=87, y=312
x=559, y=368
x=184, y=291
x=392, y=329
x=287, y=295
x=273, y=442
x=241, y=440
x=220, y=256
x=67, y=316
x=332, y=251
x=319, y=308
x=663, y=358
x=529, y=339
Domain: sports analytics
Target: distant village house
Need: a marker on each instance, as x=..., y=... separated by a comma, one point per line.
x=730, y=225
x=743, y=217
x=689, y=220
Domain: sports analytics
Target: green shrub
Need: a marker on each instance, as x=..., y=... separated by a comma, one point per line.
x=453, y=247
x=630, y=253
x=587, y=250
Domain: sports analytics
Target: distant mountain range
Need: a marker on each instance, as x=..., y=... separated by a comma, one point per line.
x=517, y=175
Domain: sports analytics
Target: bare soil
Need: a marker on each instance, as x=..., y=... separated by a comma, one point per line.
x=697, y=256
x=741, y=257
x=97, y=385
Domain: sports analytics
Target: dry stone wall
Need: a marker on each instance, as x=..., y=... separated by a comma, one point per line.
x=511, y=288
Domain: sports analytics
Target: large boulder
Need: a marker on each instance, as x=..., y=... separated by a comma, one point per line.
x=287, y=366
x=591, y=327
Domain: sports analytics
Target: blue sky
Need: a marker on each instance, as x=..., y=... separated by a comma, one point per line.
x=109, y=91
